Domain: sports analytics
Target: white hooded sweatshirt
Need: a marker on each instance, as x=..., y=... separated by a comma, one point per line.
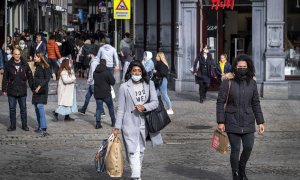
x=108, y=53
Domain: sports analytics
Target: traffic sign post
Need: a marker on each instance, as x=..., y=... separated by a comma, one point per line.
x=122, y=9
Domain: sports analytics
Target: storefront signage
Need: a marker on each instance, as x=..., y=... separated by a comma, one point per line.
x=212, y=28
x=122, y=9
x=215, y=4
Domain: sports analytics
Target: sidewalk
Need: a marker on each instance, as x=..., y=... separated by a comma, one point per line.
x=68, y=152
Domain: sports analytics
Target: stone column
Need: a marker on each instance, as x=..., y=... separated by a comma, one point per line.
x=274, y=85
x=259, y=39
x=186, y=44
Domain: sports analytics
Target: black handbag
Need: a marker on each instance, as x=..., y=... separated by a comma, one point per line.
x=157, y=81
x=158, y=118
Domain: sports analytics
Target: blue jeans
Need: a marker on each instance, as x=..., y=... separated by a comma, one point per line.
x=164, y=92
x=53, y=64
x=12, y=101
x=88, y=96
x=111, y=70
x=40, y=115
x=109, y=102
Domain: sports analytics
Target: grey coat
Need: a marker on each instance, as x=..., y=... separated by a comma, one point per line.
x=129, y=120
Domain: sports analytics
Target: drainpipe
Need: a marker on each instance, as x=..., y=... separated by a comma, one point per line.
x=5, y=26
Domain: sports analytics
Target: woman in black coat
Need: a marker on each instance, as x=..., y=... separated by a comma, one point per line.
x=41, y=79
x=203, y=69
x=241, y=112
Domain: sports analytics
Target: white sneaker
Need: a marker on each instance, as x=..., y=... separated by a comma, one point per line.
x=170, y=111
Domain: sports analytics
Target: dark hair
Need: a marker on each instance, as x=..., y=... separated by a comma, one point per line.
x=103, y=62
x=139, y=64
x=52, y=37
x=127, y=34
x=251, y=70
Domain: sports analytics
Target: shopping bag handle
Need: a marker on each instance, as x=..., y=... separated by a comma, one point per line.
x=112, y=136
x=221, y=132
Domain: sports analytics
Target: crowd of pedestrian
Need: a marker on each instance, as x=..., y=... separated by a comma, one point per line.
x=65, y=57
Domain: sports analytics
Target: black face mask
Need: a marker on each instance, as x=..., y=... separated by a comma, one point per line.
x=242, y=71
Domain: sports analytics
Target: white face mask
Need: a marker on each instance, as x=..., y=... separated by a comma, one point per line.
x=22, y=46
x=9, y=56
x=136, y=78
x=8, y=51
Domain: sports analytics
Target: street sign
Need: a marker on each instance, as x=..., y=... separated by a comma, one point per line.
x=122, y=9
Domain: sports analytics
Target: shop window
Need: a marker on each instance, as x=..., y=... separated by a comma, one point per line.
x=292, y=39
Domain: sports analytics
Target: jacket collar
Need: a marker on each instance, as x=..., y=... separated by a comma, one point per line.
x=230, y=76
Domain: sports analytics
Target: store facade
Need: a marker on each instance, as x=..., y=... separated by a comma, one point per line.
x=268, y=30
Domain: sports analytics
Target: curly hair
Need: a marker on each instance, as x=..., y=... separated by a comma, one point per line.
x=251, y=70
x=140, y=65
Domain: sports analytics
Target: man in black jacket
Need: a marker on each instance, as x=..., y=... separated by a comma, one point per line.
x=16, y=73
x=103, y=80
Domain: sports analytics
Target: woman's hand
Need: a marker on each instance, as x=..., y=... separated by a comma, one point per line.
x=261, y=128
x=221, y=127
x=115, y=132
x=37, y=89
x=140, y=108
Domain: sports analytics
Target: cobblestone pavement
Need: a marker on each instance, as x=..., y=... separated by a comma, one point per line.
x=68, y=153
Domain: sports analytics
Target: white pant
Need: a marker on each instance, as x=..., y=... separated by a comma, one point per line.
x=136, y=159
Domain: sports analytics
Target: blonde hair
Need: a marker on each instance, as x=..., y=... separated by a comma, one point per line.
x=163, y=58
x=43, y=61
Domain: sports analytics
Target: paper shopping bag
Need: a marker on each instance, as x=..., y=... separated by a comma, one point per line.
x=100, y=155
x=113, y=158
x=219, y=141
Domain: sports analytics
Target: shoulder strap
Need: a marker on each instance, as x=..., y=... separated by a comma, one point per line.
x=229, y=86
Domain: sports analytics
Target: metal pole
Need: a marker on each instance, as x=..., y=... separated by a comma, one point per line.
x=116, y=34
x=38, y=15
x=5, y=26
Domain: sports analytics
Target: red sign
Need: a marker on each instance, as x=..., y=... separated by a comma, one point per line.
x=215, y=4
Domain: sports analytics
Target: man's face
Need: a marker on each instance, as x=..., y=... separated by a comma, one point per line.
x=17, y=55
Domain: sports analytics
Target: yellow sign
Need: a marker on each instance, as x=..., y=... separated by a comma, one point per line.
x=122, y=9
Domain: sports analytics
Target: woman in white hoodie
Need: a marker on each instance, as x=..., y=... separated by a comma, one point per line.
x=148, y=63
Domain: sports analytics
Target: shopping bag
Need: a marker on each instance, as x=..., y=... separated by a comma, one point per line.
x=114, y=158
x=100, y=155
x=113, y=94
x=219, y=141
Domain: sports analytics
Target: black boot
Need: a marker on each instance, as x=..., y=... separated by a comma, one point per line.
x=235, y=175
x=68, y=118
x=201, y=100
x=242, y=172
x=55, y=115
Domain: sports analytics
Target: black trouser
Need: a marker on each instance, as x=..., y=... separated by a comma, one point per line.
x=235, y=143
x=203, y=87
